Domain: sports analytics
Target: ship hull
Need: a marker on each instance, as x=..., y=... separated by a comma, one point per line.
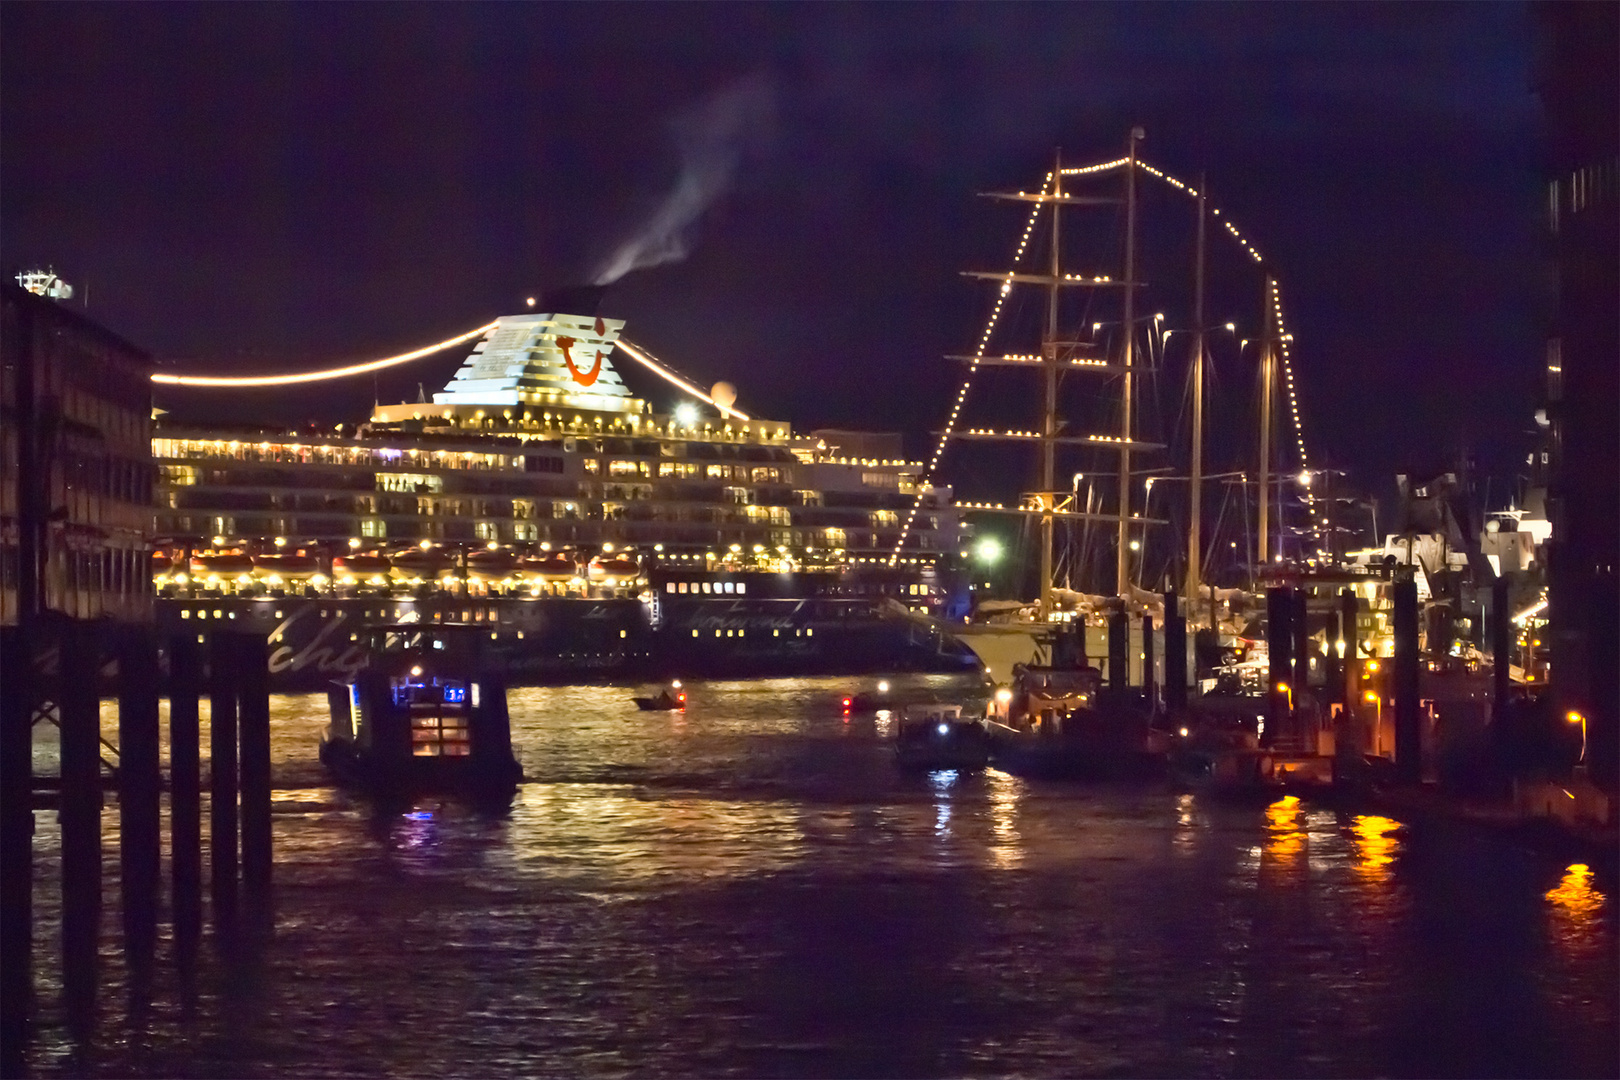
x=553, y=640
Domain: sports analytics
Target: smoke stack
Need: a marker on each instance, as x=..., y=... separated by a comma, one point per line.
x=573, y=300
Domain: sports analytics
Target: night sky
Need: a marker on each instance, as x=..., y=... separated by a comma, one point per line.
x=249, y=188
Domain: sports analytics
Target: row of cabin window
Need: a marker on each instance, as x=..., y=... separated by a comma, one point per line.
x=729, y=587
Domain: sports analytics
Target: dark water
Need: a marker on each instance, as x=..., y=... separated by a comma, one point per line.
x=750, y=889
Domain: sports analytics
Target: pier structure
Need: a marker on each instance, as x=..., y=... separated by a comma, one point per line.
x=77, y=628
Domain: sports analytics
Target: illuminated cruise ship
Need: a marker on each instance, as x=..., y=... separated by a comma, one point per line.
x=593, y=536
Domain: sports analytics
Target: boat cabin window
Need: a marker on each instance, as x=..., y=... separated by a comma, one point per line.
x=439, y=710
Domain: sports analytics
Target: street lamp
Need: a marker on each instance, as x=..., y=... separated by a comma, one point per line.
x=1575, y=717
x=1289, y=690
x=1378, y=724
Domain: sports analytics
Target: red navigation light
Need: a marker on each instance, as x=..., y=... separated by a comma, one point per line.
x=847, y=703
x=681, y=698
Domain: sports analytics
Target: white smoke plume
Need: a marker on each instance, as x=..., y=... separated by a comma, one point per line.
x=711, y=137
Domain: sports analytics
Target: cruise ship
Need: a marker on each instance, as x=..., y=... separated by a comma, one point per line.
x=595, y=538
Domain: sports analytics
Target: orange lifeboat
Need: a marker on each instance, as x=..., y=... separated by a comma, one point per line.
x=292, y=566
x=369, y=569
x=550, y=566
x=220, y=564
x=419, y=565
x=162, y=563
x=615, y=567
x=491, y=565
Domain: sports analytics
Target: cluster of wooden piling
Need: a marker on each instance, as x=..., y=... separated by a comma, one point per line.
x=57, y=673
x=1288, y=672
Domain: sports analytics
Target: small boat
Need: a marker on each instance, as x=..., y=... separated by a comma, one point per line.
x=426, y=715
x=935, y=736
x=871, y=701
x=672, y=697
x=1059, y=725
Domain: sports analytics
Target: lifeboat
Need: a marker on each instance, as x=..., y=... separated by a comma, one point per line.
x=293, y=566
x=549, y=566
x=419, y=565
x=370, y=569
x=616, y=568
x=220, y=564
x=491, y=565
x=161, y=562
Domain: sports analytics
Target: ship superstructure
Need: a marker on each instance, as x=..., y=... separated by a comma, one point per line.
x=539, y=486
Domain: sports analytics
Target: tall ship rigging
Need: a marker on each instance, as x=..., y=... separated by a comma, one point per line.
x=1115, y=545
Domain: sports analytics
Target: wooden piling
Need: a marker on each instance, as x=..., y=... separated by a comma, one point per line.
x=185, y=791
x=16, y=846
x=254, y=689
x=1279, y=650
x=1333, y=665
x=1352, y=649
x=1300, y=625
x=1408, y=722
x=222, y=675
x=1148, y=682
x=1175, y=655
x=79, y=716
x=1119, y=650
x=140, y=784
x=1501, y=643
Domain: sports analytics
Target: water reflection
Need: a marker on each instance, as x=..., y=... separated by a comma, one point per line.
x=1285, y=834
x=1182, y=841
x=1376, y=845
x=1576, y=897
x=1007, y=852
x=942, y=781
x=753, y=888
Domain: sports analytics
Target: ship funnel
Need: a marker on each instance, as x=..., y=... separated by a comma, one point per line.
x=573, y=300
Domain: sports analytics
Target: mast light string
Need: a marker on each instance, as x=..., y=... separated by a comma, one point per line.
x=1006, y=287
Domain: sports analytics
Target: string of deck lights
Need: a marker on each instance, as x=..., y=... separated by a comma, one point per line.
x=1006, y=287
x=640, y=356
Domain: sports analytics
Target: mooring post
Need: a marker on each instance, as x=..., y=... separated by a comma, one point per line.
x=222, y=693
x=1408, y=723
x=1149, y=683
x=1352, y=650
x=1333, y=661
x=254, y=686
x=16, y=845
x=185, y=791
x=140, y=785
x=1300, y=616
x=1119, y=648
x=1501, y=645
x=79, y=716
x=1175, y=656
x=1279, y=642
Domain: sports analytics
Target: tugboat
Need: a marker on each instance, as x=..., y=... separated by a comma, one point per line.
x=1049, y=724
x=933, y=736
x=426, y=715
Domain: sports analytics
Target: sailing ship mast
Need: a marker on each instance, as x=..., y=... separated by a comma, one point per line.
x=1122, y=576
x=1196, y=481
x=1049, y=358
x=1059, y=354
